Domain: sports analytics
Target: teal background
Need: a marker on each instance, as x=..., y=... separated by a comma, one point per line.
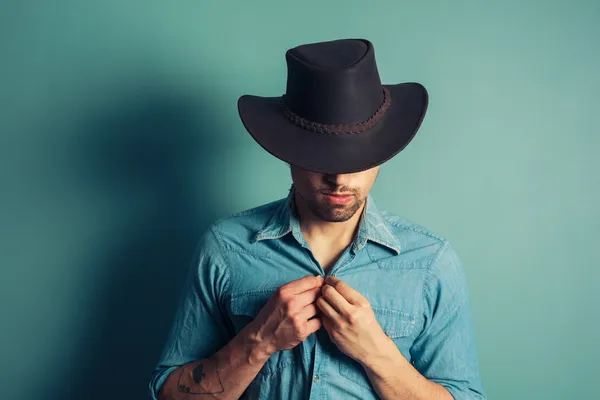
x=120, y=142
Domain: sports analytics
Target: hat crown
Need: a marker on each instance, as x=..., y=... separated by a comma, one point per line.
x=333, y=82
x=333, y=54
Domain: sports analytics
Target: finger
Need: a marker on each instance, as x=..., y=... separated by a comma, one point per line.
x=351, y=295
x=335, y=299
x=309, y=311
x=308, y=297
x=303, y=284
x=314, y=325
x=327, y=309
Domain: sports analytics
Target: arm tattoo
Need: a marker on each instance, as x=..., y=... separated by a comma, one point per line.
x=197, y=375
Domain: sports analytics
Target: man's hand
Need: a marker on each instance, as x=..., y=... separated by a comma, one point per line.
x=350, y=322
x=287, y=317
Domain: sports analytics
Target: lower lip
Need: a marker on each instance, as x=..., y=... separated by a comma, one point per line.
x=338, y=199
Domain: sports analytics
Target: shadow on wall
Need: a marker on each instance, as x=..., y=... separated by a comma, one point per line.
x=155, y=160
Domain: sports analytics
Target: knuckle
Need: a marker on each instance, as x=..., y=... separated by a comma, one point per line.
x=335, y=334
x=299, y=328
x=290, y=306
x=281, y=290
x=283, y=294
x=342, y=325
x=297, y=322
x=353, y=319
x=279, y=293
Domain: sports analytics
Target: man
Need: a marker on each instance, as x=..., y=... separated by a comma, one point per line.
x=391, y=319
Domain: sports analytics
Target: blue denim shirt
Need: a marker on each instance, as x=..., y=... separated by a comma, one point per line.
x=412, y=277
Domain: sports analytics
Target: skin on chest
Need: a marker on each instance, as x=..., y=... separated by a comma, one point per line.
x=327, y=256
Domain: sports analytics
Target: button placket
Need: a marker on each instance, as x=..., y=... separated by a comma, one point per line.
x=315, y=392
x=346, y=259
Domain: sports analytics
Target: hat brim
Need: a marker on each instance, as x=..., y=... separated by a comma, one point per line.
x=336, y=153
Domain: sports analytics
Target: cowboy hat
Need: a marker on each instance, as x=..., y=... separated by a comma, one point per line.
x=335, y=116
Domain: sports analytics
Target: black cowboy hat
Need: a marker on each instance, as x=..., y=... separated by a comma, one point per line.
x=336, y=116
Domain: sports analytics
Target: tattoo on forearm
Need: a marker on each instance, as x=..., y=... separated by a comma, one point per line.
x=198, y=374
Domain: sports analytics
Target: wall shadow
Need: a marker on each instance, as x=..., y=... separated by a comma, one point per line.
x=155, y=150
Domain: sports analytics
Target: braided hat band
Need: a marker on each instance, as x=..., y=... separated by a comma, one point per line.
x=343, y=128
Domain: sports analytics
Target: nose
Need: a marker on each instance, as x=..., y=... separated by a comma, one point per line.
x=336, y=179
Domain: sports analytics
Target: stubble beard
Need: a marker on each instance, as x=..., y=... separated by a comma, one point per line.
x=334, y=212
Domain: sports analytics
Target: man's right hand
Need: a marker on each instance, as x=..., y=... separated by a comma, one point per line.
x=283, y=322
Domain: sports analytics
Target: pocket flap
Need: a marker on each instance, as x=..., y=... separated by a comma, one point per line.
x=394, y=323
x=250, y=303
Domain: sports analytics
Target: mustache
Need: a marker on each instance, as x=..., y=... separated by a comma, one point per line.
x=341, y=190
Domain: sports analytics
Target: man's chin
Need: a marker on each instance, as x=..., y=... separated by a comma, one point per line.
x=336, y=213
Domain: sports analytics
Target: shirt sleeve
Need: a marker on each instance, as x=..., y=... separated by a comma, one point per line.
x=200, y=325
x=444, y=352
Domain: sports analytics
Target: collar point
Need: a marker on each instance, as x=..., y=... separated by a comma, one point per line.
x=258, y=236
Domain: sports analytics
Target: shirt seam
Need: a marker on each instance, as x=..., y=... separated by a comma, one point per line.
x=226, y=261
x=430, y=267
x=418, y=230
x=251, y=211
x=226, y=248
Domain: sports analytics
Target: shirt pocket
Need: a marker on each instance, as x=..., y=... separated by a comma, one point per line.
x=397, y=325
x=244, y=309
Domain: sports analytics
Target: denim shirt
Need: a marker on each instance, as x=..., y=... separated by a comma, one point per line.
x=412, y=277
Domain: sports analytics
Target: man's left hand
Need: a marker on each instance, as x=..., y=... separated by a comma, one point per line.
x=350, y=321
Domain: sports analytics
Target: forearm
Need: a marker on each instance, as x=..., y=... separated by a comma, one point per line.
x=224, y=375
x=393, y=377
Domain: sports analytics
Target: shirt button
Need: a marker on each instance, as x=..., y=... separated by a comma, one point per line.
x=316, y=378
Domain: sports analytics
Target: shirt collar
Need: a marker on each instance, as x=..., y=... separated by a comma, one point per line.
x=372, y=226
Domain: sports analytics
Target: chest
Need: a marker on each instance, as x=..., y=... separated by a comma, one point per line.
x=384, y=280
x=394, y=291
